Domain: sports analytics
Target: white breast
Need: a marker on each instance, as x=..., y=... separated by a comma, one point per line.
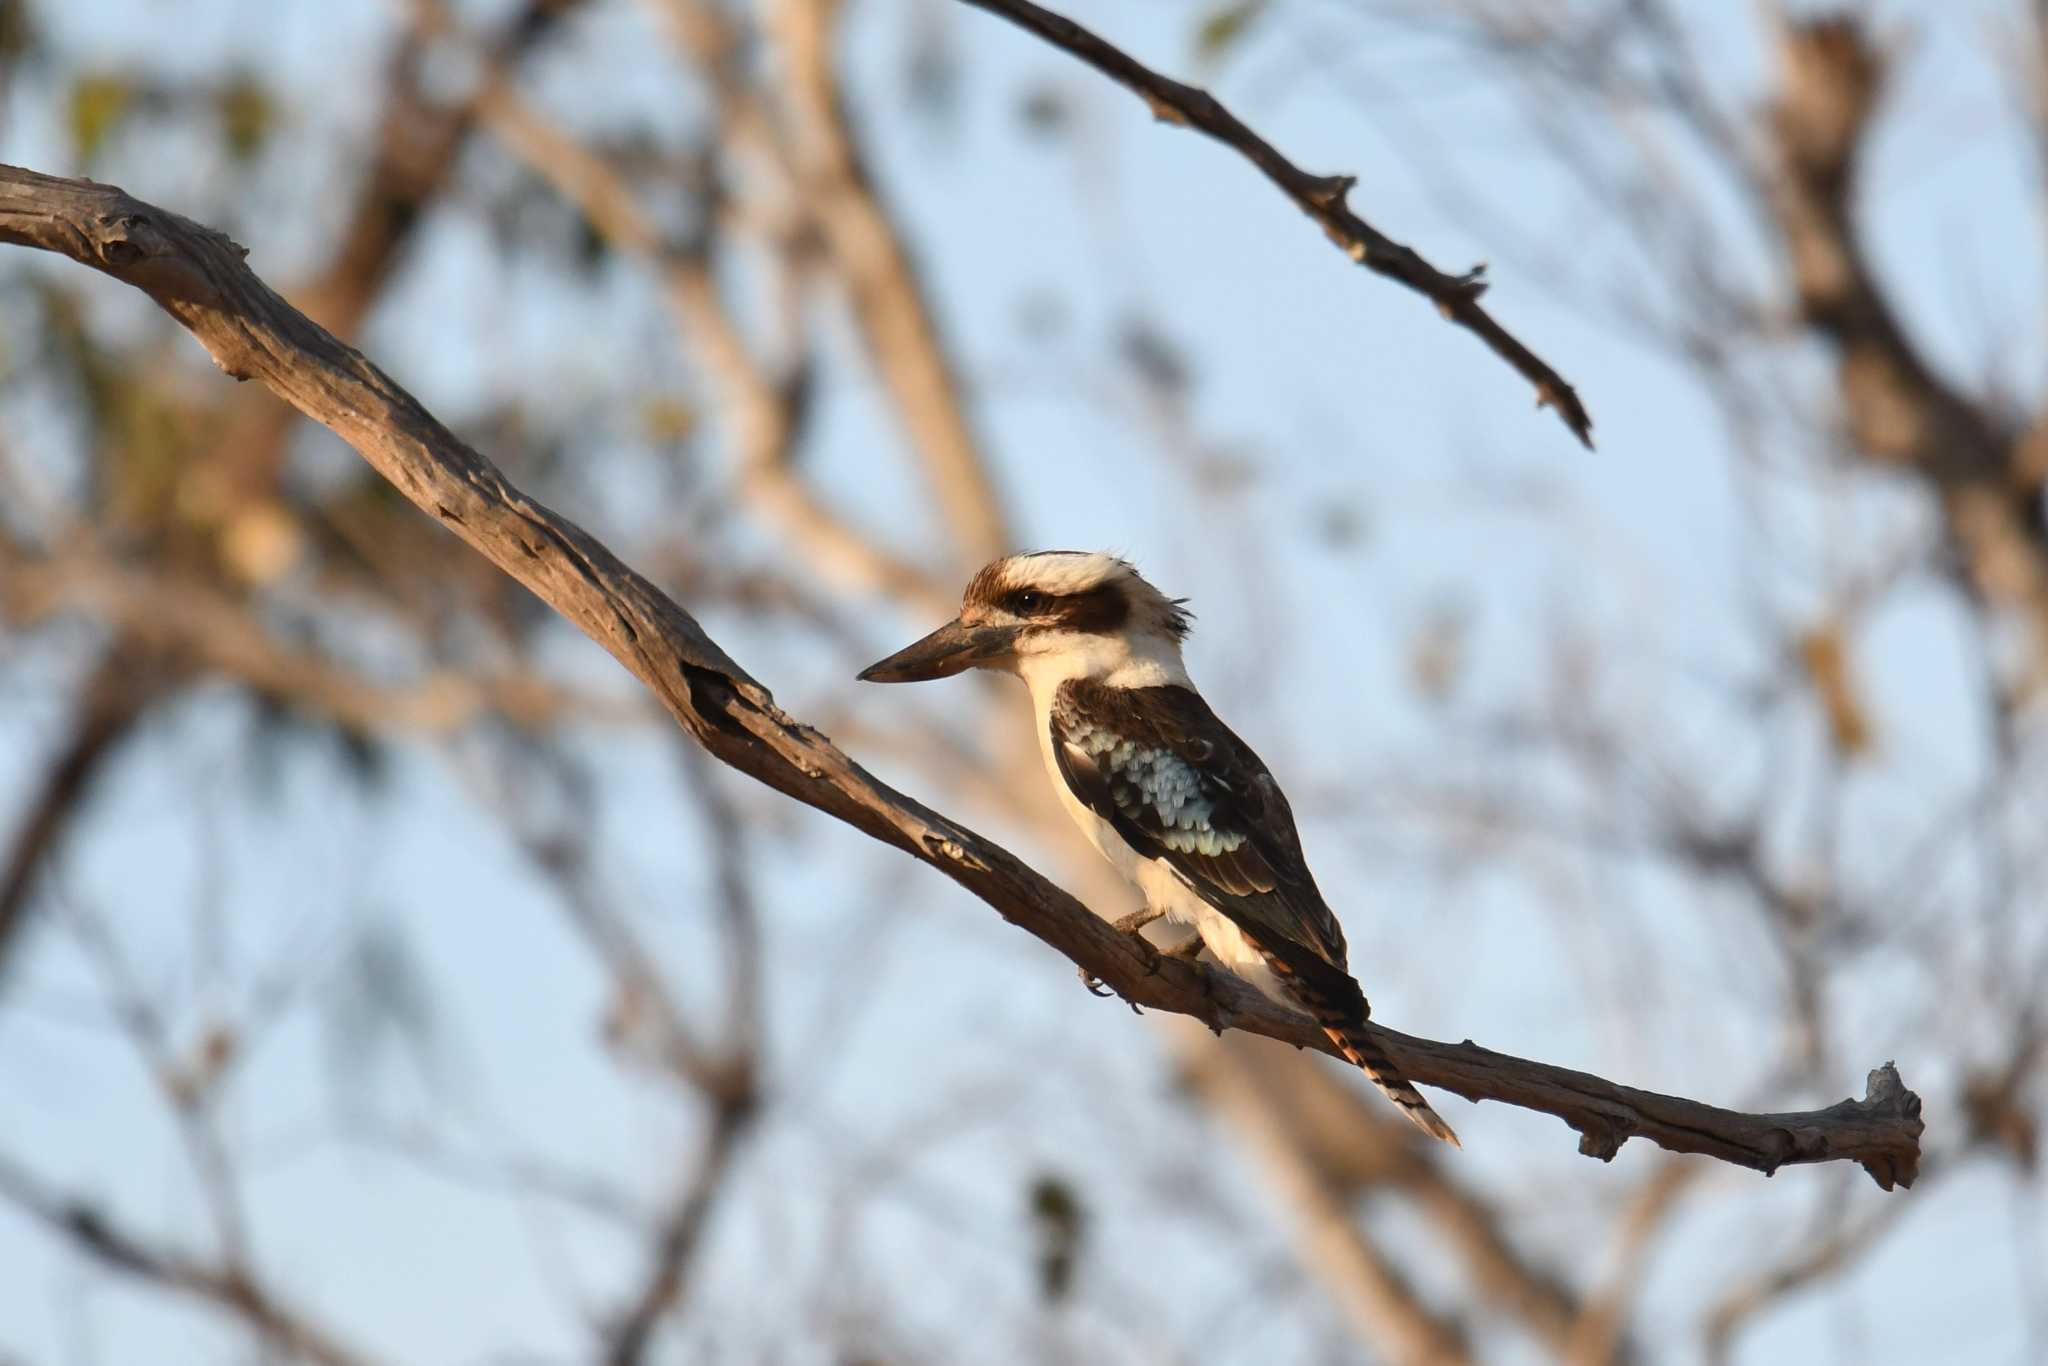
x=1099, y=832
x=1120, y=662
x=1162, y=887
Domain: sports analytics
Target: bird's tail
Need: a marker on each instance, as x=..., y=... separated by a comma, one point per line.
x=1366, y=1054
x=1332, y=996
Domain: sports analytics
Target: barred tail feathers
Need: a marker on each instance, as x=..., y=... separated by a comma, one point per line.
x=1341, y=1010
x=1364, y=1053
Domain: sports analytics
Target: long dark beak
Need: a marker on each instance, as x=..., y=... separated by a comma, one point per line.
x=943, y=653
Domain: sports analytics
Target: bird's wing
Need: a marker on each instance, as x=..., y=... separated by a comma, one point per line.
x=1179, y=786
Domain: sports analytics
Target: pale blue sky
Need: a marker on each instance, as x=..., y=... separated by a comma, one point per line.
x=1335, y=388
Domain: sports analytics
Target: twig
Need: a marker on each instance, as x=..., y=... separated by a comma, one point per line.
x=1322, y=198
x=518, y=1174
x=820, y=186
x=190, y=1088
x=1597, y=1335
x=198, y=276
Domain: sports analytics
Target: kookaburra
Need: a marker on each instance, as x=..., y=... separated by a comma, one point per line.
x=1182, y=807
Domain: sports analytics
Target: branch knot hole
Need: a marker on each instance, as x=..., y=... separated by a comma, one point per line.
x=1329, y=191
x=116, y=237
x=945, y=847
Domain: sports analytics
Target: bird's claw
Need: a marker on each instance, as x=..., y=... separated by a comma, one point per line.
x=1137, y=920
x=1133, y=925
x=1218, y=1016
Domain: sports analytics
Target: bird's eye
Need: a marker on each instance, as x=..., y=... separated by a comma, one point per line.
x=1030, y=600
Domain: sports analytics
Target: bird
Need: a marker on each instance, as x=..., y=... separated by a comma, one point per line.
x=1183, y=808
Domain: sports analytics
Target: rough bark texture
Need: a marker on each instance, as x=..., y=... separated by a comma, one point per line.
x=199, y=277
x=1321, y=197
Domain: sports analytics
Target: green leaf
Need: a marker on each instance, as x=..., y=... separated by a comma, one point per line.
x=99, y=101
x=1059, y=1228
x=1225, y=27
x=247, y=116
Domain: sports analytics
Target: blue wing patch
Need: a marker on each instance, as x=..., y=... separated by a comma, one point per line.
x=1158, y=789
x=1178, y=786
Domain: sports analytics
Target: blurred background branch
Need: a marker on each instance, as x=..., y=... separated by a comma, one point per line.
x=354, y=905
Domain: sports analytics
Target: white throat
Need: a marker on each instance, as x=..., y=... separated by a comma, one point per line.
x=1120, y=661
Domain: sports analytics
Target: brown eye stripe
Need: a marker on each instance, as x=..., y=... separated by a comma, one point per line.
x=1097, y=610
x=1100, y=609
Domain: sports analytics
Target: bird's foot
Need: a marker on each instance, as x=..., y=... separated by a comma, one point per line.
x=1137, y=920
x=1217, y=1016
x=1132, y=924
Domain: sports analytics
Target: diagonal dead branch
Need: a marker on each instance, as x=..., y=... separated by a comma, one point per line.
x=198, y=276
x=1321, y=197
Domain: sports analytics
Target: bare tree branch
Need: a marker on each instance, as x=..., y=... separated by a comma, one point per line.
x=198, y=276
x=415, y=148
x=1367, y=1286
x=888, y=301
x=112, y=701
x=760, y=411
x=647, y=1019
x=733, y=1092
x=189, y=618
x=1354, y=1144
x=821, y=182
x=1320, y=197
x=232, y=1289
x=681, y=1230
x=1791, y=1273
x=1990, y=482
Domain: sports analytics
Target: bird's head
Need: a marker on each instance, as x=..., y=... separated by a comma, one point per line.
x=1077, y=607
